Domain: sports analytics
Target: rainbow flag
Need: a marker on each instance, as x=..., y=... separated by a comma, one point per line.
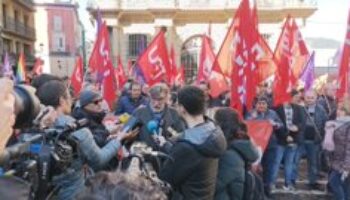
x=21, y=72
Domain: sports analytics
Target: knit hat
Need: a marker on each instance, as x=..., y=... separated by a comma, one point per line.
x=88, y=96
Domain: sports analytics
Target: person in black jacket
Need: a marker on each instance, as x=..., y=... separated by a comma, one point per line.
x=90, y=107
x=196, y=152
x=232, y=165
x=293, y=119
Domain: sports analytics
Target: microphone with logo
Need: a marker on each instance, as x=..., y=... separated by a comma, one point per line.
x=153, y=129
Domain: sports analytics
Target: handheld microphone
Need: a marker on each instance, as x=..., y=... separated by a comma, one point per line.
x=152, y=127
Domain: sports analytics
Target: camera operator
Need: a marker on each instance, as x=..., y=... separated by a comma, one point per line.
x=71, y=180
x=158, y=111
x=196, y=152
x=6, y=111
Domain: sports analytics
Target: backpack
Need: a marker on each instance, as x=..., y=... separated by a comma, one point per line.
x=253, y=184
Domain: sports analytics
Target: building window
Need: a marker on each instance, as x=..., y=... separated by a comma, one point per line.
x=59, y=42
x=18, y=48
x=27, y=49
x=7, y=46
x=25, y=20
x=57, y=23
x=137, y=43
x=190, y=57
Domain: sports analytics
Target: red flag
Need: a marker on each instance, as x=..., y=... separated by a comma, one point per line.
x=154, y=61
x=260, y=133
x=180, y=76
x=101, y=53
x=263, y=55
x=38, y=67
x=108, y=87
x=244, y=72
x=297, y=54
x=120, y=74
x=206, y=60
x=77, y=76
x=216, y=79
x=174, y=69
x=343, y=74
x=290, y=55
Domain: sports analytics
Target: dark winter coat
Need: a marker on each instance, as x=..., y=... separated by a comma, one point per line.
x=196, y=157
x=231, y=172
x=170, y=119
x=128, y=105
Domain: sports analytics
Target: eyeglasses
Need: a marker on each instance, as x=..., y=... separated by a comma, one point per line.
x=96, y=102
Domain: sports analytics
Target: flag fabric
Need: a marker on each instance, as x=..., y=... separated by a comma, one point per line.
x=290, y=54
x=38, y=67
x=343, y=73
x=21, y=69
x=7, y=68
x=174, y=69
x=108, y=86
x=101, y=52
x=180, y=76
x=206, y=60
x=244, y=70
x=297, y=53
x=100, y=63
x=259, y=132
x=262, y=53
x=308, y=75
x=154, y=61
x=120, y=76
x=215, y=78
x=77, y=77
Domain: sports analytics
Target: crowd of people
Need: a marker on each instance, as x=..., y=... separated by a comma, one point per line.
x=208, y=142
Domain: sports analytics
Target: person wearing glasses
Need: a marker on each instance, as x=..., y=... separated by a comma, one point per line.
x=91, y=108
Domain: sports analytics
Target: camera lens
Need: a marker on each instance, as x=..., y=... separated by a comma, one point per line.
x=27, y=105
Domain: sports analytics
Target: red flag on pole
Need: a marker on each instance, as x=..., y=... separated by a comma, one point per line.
x=120, y=74
x=77, y=77
x=101, y=52
x=284, y=77
x=297, y=54
x=154, y=61
x=180, y=76
x=174, y=69
x=108, y=87
x=244, y=72
x=38, y=66
x=343, y=73
x=206, y=60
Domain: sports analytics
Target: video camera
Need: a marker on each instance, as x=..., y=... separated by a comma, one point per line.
x=37, y=157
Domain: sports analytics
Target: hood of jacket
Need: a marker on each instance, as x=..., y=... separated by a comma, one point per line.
x=246, y=149
x=207, y=138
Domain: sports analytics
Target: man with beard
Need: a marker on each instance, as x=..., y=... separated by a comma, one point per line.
x=159, y=112
x=91, y=109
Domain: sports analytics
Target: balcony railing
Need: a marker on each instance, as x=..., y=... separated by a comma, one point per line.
x=196, y=4
x=18, y=28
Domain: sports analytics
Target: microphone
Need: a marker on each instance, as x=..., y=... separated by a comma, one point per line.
x=152, y=127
